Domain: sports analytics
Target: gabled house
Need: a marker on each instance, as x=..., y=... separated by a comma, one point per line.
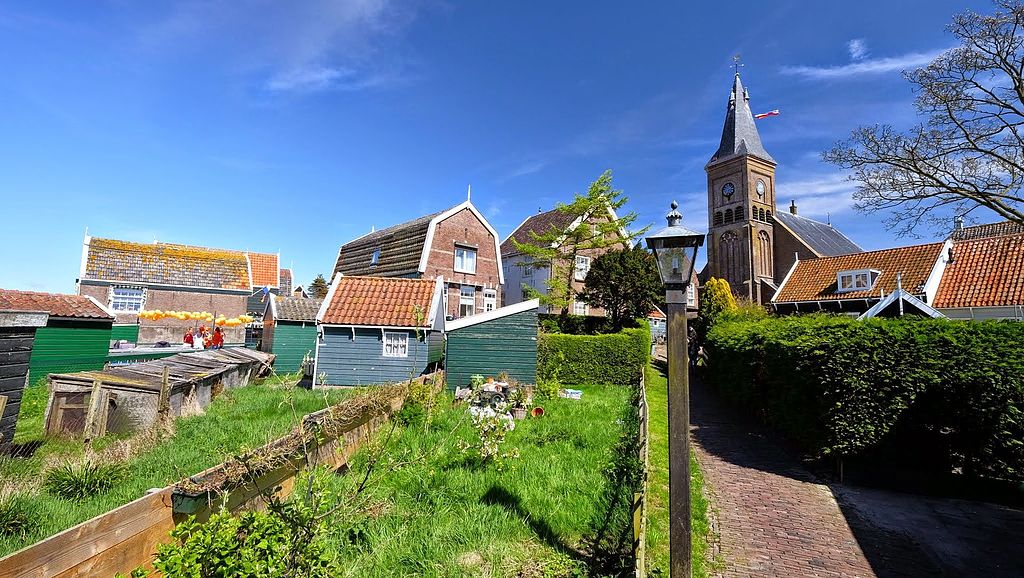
x=379, y=330
x=984, y=278
x=289, y=330
x=128, y=278
x=854, y=283
x=456, y=245
x=76, y=336
x=520, y=273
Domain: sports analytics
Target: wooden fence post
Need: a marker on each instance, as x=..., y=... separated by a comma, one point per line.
x=92, y=413
x=164, y=404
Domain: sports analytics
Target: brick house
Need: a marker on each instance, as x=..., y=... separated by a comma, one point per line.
x=129, y=277
x=457, y=245
x=519, y=274
x=985, y=278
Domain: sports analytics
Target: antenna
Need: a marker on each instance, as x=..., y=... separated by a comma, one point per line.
x=469, y=191
x=736, y=64
x=828, y=217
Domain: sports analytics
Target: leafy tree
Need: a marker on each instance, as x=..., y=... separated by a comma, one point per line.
x=715, y=299
x=318, y=288
x=556, y=249
x=968, y=152
x=625, y=283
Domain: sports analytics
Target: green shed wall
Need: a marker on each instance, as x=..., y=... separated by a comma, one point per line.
x=488, y=348
x=292, y=340
x=129, y=333
x=68, y=346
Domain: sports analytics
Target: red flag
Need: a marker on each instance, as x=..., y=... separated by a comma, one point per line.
x=767, y=114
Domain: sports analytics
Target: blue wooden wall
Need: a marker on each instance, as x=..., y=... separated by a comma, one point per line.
x=361, y=361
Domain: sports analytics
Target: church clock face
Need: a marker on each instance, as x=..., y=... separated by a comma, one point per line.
x=728, y=189
x=761, y=188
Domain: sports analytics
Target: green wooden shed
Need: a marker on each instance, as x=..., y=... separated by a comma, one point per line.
x=488, y=343
x=289, y=331
x=76, y=336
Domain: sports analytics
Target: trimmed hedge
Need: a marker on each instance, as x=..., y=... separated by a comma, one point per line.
x=935, y=393
x=610, y=359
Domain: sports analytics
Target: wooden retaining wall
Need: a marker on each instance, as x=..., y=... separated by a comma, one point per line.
x=640, y=498
x=127, y=537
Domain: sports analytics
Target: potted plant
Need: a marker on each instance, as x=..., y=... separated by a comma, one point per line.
x=517, y=397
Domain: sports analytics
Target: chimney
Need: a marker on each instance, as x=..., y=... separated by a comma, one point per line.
x=792, y=206
x=958, y=223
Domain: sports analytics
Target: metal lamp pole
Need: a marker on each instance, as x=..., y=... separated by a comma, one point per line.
x=675, y=249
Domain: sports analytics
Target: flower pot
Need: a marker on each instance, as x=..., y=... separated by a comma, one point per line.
x=519, y=412
x=537, y=411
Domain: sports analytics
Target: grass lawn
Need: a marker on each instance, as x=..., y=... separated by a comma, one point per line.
x=657, y=512
x=239, y=419
x=540, y=514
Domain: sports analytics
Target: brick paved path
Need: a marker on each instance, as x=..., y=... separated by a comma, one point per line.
x=774, y=517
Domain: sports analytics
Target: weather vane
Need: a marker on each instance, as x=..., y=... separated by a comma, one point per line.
x=736, y=64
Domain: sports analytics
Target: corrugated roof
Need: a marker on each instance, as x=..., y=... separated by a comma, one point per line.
x=988, y=230
x=822, y=238
x=739, y=135
x=296, y=308
x=540, y=223
x=815, y=279
x=166, y=264
x=987, y=272
x=265, y=270
x=56, y=304
x=380, y=301
x=401, y=247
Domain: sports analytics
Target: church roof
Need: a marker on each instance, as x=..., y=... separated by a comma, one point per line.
x=739, y=135
x=823, y=239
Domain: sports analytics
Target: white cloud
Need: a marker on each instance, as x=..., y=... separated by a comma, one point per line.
x=858, y=48
x=303, y=46
x=864, y=67
x=817, y=196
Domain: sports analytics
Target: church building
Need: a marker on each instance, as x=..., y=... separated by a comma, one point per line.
x=750, y=243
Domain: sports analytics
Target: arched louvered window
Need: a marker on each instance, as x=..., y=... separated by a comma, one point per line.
x=764, y=255
x=718, y=218
x=761, y=213
x=769, y=217
x=728, y=215
x=731, y=258
x=739, y=214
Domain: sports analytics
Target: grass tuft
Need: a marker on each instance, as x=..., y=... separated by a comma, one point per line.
x=75, y=481
x=17, y=516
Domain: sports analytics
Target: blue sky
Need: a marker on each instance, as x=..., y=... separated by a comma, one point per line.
x=294, y=127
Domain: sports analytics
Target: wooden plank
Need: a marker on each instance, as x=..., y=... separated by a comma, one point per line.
x=95, y=399
x=66, y=550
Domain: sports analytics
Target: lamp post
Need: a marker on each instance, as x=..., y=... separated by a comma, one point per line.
x=675, y=249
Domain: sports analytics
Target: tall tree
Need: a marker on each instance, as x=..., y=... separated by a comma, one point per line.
x=318, y=288
x=556, y=249
x=968, y=151
x=625, y=283
x=716, y=298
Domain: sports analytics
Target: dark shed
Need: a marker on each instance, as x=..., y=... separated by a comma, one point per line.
x=17, y=332
x=488, y=343
x=289, y=331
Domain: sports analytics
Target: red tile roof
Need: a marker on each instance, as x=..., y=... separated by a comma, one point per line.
x=986, y=272
x=380, y=301
x=815, y=279
x=57, y=305
x=264, y=270
x=988, y=230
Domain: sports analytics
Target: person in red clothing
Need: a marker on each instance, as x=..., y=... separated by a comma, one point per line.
x=218, y=339
x=188, y=338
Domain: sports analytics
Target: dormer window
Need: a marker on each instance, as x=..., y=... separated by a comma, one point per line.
x=856, y=280
x=375, y=258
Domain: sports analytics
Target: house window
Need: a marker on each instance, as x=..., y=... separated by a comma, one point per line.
x=375, y=258
x=859, y=280
x=580, y=308
x=527, y=268
x=467, y=300
x=127, y=299
x=691, y=295
x=582, y=267
x=465, y=260
x=396, y=344
x=490, y=299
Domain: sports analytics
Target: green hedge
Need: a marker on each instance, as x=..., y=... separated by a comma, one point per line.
x=948, y=394
x=610, y=359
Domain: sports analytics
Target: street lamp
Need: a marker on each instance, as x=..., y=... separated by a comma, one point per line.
x=675, y=249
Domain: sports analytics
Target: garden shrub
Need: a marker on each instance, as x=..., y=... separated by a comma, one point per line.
x=611, y=359
x=76, y=481
x=945, y=394
x=18, y=516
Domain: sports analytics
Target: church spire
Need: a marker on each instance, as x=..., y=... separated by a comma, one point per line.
x=739, y=136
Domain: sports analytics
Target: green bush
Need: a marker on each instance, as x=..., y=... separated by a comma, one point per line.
x=18, y=516
x=937, y=393
x=75, y=481
x=611, y=359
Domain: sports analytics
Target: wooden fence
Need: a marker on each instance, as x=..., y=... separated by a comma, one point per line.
x=127, y=537
x=640, y=498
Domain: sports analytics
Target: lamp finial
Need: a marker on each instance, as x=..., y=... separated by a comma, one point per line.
x=673, y=216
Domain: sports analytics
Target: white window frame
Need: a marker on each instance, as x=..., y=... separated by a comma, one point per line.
x=856, y=280
x=527, y=268
x=490, y=300
x=691, y=295
x=462, y=265
x=580, y=308
x=139, y=300
x=397, y=342
x=467, y=299
x=582, y=267
x=375, y=257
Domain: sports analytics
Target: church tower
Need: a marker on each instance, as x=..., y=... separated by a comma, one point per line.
x=741, y=202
